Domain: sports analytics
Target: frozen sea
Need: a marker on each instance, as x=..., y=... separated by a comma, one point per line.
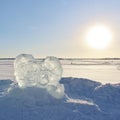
x=92, y=91
x=104, y=71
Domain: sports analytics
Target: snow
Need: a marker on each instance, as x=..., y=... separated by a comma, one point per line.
x=84, y=99
x=101, y=73
x=6, y=69
x=104, y=73
x=79, y=101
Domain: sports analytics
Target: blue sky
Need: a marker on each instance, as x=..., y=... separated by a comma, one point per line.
x=56, y=27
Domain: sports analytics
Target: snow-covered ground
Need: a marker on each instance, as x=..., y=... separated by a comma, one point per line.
x=7, y=69
x=104, y=73
x=85, y=99
x=100, y=73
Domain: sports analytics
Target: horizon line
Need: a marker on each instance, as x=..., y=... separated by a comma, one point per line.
x=67, y=58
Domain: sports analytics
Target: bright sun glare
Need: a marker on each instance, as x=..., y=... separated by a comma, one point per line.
x=98, y=37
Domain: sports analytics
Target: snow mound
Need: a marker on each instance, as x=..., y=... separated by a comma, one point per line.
x=84, y=99
x=42, y=74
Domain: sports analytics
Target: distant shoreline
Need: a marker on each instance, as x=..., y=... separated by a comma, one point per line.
x=70, y=58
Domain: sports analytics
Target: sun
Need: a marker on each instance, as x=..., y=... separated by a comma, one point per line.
x=98, y=37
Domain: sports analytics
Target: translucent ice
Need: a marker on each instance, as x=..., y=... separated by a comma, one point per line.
x=44, y=74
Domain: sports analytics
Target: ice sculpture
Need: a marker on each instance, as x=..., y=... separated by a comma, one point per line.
x=44, y=74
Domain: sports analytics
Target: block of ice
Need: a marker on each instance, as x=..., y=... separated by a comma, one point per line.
x=44, y=74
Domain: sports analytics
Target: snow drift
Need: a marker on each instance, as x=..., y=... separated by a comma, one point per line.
x=84, y=100
x=43, y=74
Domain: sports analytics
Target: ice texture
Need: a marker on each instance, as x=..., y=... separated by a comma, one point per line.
x=42, y=74
x=118, y=67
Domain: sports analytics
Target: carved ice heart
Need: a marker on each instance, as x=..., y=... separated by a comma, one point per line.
x=35, y=73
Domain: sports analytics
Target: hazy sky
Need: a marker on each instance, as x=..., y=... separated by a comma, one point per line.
x=56, y=27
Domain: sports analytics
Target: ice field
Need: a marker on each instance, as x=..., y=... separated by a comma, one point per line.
x=104, y=71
